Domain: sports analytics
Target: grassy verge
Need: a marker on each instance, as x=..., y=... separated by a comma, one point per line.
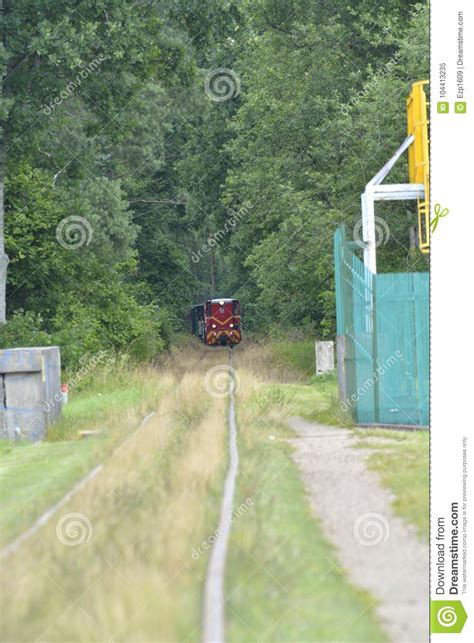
x=35, y=476
x=299, y=356
x=282, y=576
x=316, y=401
x=138, y=573
x=32, y=477
x=402, y=463
x=401, y=458
x=288, y=370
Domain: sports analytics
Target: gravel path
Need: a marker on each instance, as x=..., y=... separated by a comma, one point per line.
x=376, y=550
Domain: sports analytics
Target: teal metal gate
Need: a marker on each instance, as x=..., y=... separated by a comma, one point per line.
x=383, y=322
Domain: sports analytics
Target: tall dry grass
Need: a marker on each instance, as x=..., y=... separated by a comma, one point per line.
x=270, y=361
x=154, y=502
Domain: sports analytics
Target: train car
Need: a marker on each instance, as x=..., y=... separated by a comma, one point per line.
x=217, y=322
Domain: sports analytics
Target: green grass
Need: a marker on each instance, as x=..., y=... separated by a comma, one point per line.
x=282, y=578
x=403, y=467
x=299, y=355
x=35, y=476
x=90, y=410
x=310, y=396
x=153, y=504
x=317, y=401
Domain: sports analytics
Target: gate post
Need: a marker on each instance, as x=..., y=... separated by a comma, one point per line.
x=375, y=351
x=341, y=368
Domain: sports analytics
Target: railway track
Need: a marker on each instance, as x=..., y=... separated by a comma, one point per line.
x=213, y=607
x=13, y=547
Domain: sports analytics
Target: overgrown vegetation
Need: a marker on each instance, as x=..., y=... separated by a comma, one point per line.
x=33, y=477
x=280, y=565
x=107, y=402
x=157, y=500
x=401, y=458
x=106, y=119
x=155, y=503
x=152, y=504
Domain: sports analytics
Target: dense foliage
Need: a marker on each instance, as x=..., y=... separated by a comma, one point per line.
x=110, y=116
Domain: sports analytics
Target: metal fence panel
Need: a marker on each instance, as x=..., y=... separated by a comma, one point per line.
x=385, y=321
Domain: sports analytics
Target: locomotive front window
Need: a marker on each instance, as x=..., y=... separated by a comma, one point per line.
x=222, y=309
x=236, y=307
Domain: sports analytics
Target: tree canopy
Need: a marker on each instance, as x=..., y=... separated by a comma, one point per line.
x=159, y=152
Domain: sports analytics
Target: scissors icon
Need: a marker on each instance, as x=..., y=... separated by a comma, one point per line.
x=439, y=214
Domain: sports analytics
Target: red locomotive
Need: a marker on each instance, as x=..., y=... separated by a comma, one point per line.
x=217, y=322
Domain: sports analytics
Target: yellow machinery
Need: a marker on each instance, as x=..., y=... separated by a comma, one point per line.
x=417, y=145
x=418, y=157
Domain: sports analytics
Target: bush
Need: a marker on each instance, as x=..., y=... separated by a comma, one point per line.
x=24, y=329
x=119, y=325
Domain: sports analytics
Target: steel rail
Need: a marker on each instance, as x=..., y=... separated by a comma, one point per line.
x=213, y=608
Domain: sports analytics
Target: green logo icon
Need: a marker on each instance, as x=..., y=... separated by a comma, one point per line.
x=443, y=107
x=447, y=617
x=460, y=108
x=439, y=213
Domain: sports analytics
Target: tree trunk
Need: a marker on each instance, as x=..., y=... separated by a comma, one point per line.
x=213, y=274
x=3, y=256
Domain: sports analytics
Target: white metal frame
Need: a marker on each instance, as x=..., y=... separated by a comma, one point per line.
x=375, y=191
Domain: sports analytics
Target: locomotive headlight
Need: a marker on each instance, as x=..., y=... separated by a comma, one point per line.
x=221, y=303
x=213, y=325
x=231, y=325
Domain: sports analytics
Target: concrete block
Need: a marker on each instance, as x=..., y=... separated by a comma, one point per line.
x=324, y=357
x=30, y=391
